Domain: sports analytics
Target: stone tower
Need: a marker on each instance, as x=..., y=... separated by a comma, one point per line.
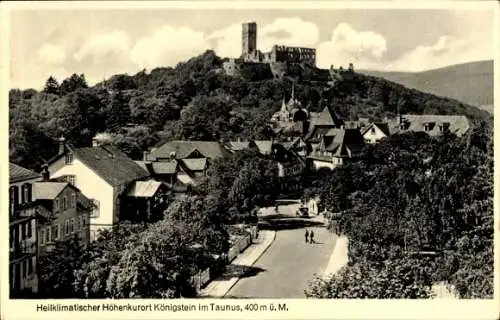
x=249, y=37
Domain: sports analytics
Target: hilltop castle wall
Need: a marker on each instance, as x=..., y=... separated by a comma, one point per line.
x=278, y=53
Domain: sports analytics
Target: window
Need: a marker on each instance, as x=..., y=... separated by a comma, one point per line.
x=30, y=267
x=42, y=237
x=64, y=203
x=25, y=268
x=23, y=230
x=13, y=199
x=77, y=224
x=30, y=225
x=66, y=227
x=72, y=225
x=26, y=193
x=11, y=238
x=83, y=221
x=56, y=205
x=70, y=179
x=55, y=232
x=373, y=130
x=69, y=158
x=73, y=200
x=48, y=237
x=95, y=210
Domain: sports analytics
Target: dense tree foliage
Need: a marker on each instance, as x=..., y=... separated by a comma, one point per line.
x=241, y=183
x=153, y=260
x=415, y=204
x=195, y=100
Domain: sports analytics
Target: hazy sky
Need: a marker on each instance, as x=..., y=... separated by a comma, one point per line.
x=100, y=43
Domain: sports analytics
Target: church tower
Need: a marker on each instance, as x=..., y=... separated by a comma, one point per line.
x=249, y=37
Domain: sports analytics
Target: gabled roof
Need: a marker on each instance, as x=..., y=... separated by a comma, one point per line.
x=383, y=126
x=458, y=124
x=18, y=173
x=48, y=190
x=336, y=141
x=164, y=167
x=294, y=143
x=264, y=146
x=183, y=148
x=144, y=189
x=238, y=145
x=199, y=164
x=110, y=164
x=324, y=118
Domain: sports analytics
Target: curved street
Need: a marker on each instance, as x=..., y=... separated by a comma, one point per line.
x=287, y=266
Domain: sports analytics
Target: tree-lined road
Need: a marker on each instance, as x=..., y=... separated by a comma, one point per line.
x=289, y=263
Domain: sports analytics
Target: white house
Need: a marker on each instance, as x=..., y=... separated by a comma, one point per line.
x=375, y=132
x=103, y=174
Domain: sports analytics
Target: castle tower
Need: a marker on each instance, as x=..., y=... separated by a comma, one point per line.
x=249, y=37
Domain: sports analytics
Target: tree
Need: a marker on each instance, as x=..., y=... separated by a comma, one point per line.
x=51, y=86
x=56, y=269
x=73, y=83
x=119, y=112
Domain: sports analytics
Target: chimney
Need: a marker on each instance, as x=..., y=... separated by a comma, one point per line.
x=62, y=145
x=45, y=172
x=95, y=142
x=145, y=156
x=172, y=155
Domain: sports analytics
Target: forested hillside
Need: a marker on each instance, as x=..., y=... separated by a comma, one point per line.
x=195, y=100
x=471, y=83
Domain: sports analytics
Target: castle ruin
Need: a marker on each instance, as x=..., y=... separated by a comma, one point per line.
x=278, y=53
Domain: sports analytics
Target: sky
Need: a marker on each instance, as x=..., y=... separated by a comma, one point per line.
x=101, y=43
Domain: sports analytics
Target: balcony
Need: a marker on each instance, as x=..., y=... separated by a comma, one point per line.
x=21, y=250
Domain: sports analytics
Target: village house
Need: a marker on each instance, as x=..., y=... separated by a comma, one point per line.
x=181, y=163
x=433, y=125
x=69, y=213
x=103, y=174
x=23, y=214
x=146, y=200
x=375, y=131
x=336, y=147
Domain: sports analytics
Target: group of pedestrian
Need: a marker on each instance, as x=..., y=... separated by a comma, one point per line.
x=309, y=236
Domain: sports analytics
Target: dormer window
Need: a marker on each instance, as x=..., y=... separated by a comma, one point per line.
x=444, y=127
x=69, y=158
x=428, y=126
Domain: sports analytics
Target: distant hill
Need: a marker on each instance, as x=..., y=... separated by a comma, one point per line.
x=471, y=83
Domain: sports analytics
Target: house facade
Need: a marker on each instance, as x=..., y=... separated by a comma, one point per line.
x=69, y=214
x=102, y=173
x=180, y=163
x=376, y=131
x=336, y=147
x=23, y=249
x=433, y=125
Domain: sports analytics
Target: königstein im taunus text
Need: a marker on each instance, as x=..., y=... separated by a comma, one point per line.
x=172, y=307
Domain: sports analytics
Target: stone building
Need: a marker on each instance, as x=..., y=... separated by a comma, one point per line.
x=278, y=53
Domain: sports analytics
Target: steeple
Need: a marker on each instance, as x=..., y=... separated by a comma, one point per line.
x=283, y=104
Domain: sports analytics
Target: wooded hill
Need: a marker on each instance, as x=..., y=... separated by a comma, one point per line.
x=195, y=100
x=470, y=82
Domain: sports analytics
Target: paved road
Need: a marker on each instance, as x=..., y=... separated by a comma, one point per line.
x=285, y=269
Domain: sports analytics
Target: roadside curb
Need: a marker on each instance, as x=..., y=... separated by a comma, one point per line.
x=256, y=259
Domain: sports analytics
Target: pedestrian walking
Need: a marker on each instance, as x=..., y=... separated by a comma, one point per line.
x=307, y=236
x=311, y=236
